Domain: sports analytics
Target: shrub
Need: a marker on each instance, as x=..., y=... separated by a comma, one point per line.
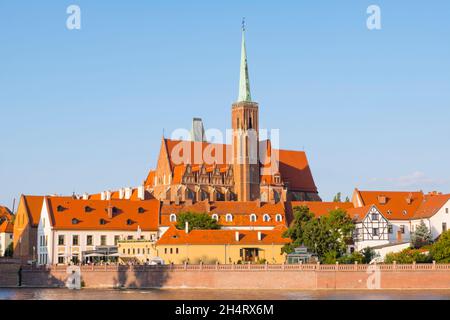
x=407, y=256
x=440, y=251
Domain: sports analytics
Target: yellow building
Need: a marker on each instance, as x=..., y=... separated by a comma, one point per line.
x=140, y=251
x=223, y=246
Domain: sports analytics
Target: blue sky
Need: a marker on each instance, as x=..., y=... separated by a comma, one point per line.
x=84, y=110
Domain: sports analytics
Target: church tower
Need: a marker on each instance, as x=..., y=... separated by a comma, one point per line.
x=245, y=124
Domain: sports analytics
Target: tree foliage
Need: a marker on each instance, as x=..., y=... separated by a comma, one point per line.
x=407, y=256
x=327, y=236
x=440, y=251
x=196, y=221
x=421, y=236
x=337, y=197
x=9, y=251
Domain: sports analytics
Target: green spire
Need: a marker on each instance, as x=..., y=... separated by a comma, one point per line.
x=244, y=81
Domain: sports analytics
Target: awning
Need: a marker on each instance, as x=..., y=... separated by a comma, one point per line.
x=94, y=255
x=114, y=254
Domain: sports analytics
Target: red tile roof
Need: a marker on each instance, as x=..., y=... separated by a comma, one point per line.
x=90, y=220
x=241, y=212
x=220, y=237
x=431, y=204
x=396, y=205
x=6, y=227
x=5, y=213
x=322, y=208
x=33, y=205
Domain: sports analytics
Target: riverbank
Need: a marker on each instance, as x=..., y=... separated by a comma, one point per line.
x=202, y=294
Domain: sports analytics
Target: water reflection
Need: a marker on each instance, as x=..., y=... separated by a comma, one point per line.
x=202, y=294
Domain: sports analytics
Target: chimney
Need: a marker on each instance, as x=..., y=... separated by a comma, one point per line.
x=103, y=195
x=186, y=227
x=85, y=196
x=141, y=192
x=110, y=212
x=237, y=236
x=382, y=199
x=108, y=195
x=121, y=193
x=128, y=192
x=259, y=235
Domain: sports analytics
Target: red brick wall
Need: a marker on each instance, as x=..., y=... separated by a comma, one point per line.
x=323, y=277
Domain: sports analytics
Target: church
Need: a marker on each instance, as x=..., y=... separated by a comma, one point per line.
x=188, y=171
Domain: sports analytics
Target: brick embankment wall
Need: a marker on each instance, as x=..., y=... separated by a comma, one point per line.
x=308, y=277
x=9, y=274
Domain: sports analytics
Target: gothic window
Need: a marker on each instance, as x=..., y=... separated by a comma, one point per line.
x=253, y=217
x=215, y=217
x=266, y=218
x=173, y=217
x=278, y=218
x=250, y=124
x=229, y=217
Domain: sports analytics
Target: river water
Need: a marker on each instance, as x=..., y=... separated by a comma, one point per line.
x=204, y=294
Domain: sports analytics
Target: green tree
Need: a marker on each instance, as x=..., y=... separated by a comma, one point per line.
x=407, y=256
x=351, y=258
x=9, y=250
x=295, y=232
x=421, y=237
x=337, y=197
x=196, y=221
x=440, y=250
x=347, y=199
x=368, y=254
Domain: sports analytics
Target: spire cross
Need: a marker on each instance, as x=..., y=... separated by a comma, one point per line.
x=243, y=24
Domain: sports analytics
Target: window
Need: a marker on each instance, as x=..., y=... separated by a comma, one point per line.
x=103, y=240
x=129, y=237
x=141, y=210
x=375, y=216
x=229, y=217
x=253, y=217
x=266, y=218
x=75, y=240
x=446, y=210
x=102, y=221
x=87, y=209
x=61, y=260
x=116, y=240
x=176, y=250
x=444, y=226
x=215, y=217
x=60, y=208
x=278, y=218
x=405, y=212
x=375, y=231
x=171, y=250
x=390, y=229
x=389, y=212
x=129, y=222
x=402, y=228
x=173, y=217
x=165, y=250
x=89, y=241
x=75, y=221
x=60, y=240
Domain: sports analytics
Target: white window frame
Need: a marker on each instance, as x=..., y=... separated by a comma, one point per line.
x=266, y=217
x=253, y=217
x=215, y=216
x=229, y=217
x=278, y=218
x=173, y=217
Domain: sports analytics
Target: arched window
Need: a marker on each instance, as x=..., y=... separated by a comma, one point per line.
x=215, y=217
x=266, y=218
x=173, y=217
x=229, y=217
x=253, y=217
x=278, y=218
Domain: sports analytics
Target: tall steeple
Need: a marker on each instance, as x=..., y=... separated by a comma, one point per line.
x=244, y=81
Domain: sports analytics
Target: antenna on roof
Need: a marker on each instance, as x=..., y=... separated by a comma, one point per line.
x=14, y=204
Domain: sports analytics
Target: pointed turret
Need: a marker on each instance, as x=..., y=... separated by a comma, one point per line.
x=244, y=81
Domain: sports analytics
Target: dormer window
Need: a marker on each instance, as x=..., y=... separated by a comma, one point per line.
x=75, y=221
x=405, y=212
x=141, y=210
x=102, y=221
x=129, y=222
x=389, y=212
x=87, y=209
x=382, y=199
x=60, y=208
x=266, y=218
x=253, y=217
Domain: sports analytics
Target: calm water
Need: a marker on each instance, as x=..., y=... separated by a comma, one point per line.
x=194, y=294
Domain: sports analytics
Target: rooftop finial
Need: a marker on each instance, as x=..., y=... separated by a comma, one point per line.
x=243, y=24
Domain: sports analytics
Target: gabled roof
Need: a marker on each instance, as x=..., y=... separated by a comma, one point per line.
x=322, y=208
x=33, y=205
x=293, y=165
x=6, y=227
x=359, y=213
x=5, y=213
x=394, y=205
x=431, y=204
x=221, y=237
x=88, y=214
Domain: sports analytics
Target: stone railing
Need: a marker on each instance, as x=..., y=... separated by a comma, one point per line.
x=249, y=267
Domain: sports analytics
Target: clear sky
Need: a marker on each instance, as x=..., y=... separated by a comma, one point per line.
x=84, y=110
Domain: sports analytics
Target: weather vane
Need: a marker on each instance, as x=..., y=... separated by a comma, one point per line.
x=243, y=24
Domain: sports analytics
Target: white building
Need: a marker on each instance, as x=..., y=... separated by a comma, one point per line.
x=72, y=230
x=6, y=236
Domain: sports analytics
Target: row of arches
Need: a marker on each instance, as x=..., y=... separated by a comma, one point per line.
x=229, y=217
